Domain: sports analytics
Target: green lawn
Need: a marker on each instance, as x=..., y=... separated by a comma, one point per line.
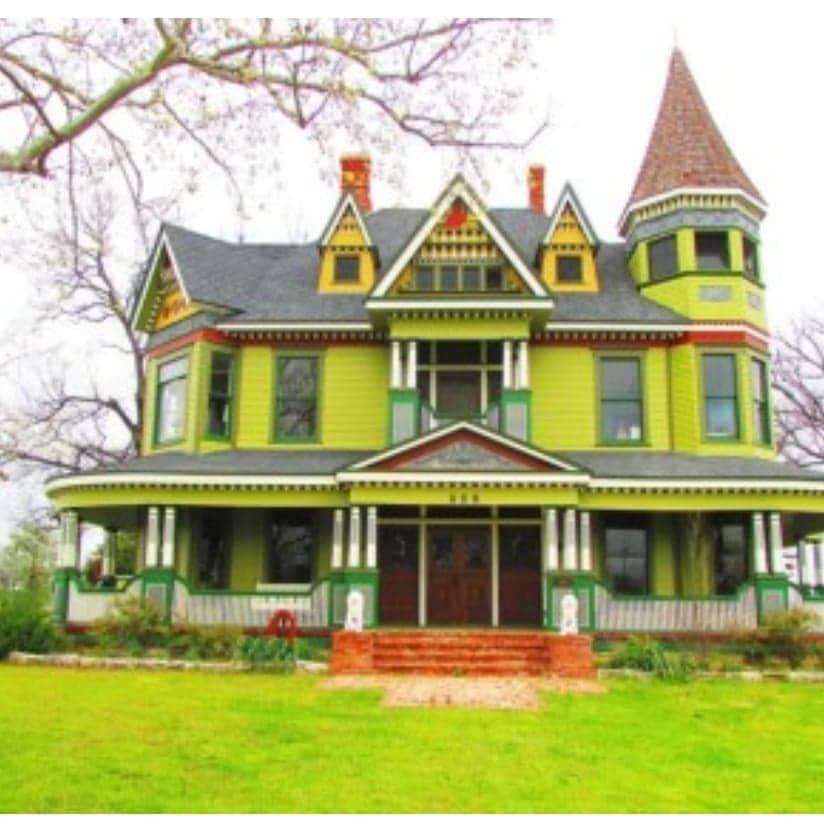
x=97, y=741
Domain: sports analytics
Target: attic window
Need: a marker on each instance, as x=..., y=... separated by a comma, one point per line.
x=712, y=252
x=568, y=269
x=347, y=268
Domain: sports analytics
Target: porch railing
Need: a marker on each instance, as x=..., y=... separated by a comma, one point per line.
x=432, y=419
x=86, y=605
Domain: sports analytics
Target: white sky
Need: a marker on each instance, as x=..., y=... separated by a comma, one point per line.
x=758, y=66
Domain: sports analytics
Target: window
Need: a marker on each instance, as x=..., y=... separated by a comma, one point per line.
x=712, y=251
x=750, y=258
x=213, y=550
x=568, y=269
x=621, y=408
x=662, y=257
x=220, y=395
x=291, y=543
x=449, y=278
x=171, y=400
x=458, y=277
x=626, y=555
x=720, y=398
x=425, y=278
x=760, y=403
x=297, y=398
x=730, y=543
x=347, y=268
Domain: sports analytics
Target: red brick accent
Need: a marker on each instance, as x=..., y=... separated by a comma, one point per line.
x=535, y=186
x=352, y=652
x=686, y=149
x=355, y=177
x=569, y=656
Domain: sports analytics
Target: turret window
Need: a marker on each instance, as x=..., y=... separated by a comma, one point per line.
x=663, y=257
x=712, y=251
x=760, y=404
x=750, y=258
x=569, y=269
x=171, y=400
x=720, y=397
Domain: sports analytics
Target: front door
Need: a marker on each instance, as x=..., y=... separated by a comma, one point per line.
x=398, y=564
x=458, y=590
x=520, y=574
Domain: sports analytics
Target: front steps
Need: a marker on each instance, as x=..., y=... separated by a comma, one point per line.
x=462, y=652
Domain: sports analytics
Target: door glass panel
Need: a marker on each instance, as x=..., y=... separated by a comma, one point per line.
x=398, y=547
x=443, y=552
x=476, y=550
x=520, y=547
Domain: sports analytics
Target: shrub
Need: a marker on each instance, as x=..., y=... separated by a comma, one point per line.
x=25, y=624
x=202, y=643
x=265, y=653
x=312, y=649
x=782, y=635
x=648, y=655
x=132, y=624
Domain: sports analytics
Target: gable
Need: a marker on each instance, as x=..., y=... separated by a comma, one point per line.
x=347, y=262
x=459, y=231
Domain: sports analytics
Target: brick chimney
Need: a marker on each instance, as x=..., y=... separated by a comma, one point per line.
x=355, y=174
x=535, y=184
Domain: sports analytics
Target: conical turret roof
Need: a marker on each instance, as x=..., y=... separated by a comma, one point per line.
x=686, y=149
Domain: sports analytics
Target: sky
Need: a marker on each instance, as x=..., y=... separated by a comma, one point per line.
x=600, y=80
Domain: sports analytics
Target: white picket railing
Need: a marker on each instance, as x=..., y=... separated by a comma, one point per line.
x=84, y=606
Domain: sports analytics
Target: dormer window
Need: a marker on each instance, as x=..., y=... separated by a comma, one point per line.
x=750, y=259
x=712, y=251
x=569, y=269
x=347, y=268
x=663, y=257
x=458, y=277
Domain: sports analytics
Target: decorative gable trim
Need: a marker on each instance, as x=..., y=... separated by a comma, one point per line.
x=142, y=310
x=568, y=197
x=458, y=188
x=347, y=200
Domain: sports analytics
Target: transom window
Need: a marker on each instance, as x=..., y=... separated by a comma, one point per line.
x=626, y=555
x=459, y=277
x=568, y=269
x=662, y=257
x=760, y=402
x=291, y=544
x=460, y=378
x=220, y=395
x=720, y=396
x=297, y=398
x=347, y=268
x=750, y=258
x=621, y=404
x=712, y=252
x=730, y=546
x=171, y=400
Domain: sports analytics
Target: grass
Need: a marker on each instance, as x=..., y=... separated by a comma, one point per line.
x=136, y=741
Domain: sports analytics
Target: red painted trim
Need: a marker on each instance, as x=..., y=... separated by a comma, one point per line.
x=606, y=343
x=398, y=461
x=724, y=338
x=210, y=335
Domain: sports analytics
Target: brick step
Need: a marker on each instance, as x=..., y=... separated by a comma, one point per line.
x=446, y=654
x=412, y=668
x=462, y=662
x=481, y=637
x=469, y=643
x=458, y=650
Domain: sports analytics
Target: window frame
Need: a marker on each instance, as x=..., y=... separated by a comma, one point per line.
x=631, y=521
x=604, y=356
x=716, y=233
x=308, y=518
x=229, y=397
x=566, y=281
x=437, y=283
x=673, y=238
x=761, y=410
x=157, y=442
x=277, y=435
x=703, y=397
x=346, y=281
x=718, y=522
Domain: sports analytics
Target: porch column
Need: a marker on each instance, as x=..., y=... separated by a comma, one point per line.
x=152, y=536
x=411, y=364
x=354, y=558
x=776, y=545
x=586, y=542
x=167, y=553
x=550, y=540
x=397, y=366
x=109, y=553
x=68, y=555
x=806, y=564
x=759, y=544
x=570, y=540
x=372, y=537
x=507, y=364
x=337, y=539
x=523, y=365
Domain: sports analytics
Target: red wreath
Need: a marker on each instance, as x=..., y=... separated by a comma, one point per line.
x=282, y=624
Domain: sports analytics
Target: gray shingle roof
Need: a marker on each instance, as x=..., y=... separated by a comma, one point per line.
x=277, y=282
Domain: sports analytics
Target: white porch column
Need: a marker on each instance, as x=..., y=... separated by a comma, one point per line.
x=152, y=536
x=523, y=365
x=759, y=544
x=372, y=537
x=167, y=555
x=411, y=364
x=806, y=564
x=69, y=540
x=776, y=545
x=586, y=542
x=337, y=539
x=570, y=540
x=507, y=364
x=819, y=551
x=109, y=551
x=397, y=366
x=550, y=540
x=354, y=558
